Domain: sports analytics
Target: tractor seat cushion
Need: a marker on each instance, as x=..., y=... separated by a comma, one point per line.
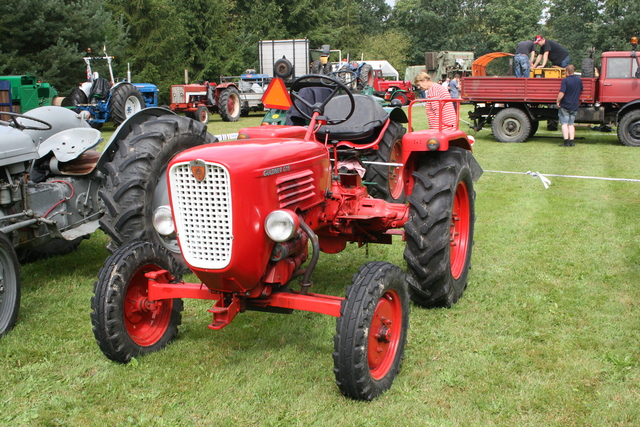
x=367, y=117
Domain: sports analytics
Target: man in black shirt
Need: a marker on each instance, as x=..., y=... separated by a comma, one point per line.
x=551, y=51
x=525, y=52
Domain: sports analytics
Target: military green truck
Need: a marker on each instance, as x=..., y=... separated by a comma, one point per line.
x=27, y=93
x=441, y=65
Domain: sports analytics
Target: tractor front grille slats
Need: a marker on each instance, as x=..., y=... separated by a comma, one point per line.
x=202, y=211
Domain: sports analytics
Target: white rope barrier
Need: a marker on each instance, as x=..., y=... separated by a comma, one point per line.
x=547, y=182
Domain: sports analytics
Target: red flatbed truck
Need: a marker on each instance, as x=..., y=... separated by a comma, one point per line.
x=515, y=106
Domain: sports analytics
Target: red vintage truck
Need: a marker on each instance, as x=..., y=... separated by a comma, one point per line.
x=515, y=106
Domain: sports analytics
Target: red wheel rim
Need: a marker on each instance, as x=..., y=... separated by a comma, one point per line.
x=395, y=178
x=459, y=232
x=402, y=98
x=203, y=116
x=146, y=321
x=384, y=334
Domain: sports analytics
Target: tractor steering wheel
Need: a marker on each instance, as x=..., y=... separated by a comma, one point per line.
x=13, y=121
x=346, y=76
x=317, y=80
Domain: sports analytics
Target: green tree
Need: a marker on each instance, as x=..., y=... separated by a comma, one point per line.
x=573, y=14
x=46, y=37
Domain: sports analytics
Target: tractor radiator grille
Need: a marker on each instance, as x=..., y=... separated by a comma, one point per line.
x=202, y=211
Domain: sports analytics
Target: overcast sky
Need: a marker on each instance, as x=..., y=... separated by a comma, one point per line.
x=391, y=2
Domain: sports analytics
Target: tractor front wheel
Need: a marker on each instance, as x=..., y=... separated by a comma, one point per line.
x=202, y=114
x=125, y=322
x=439, y=231
x=371, y=331
x=9, y=285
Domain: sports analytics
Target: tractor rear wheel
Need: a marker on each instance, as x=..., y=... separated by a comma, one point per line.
x=125, y=102
x=77, y=97
x=629, y=129
x=366, y=76
x=135, y=184
x=229, y=105
x=402, y=97
x=371, y=331
x=202, y=114
x=9, y=285
x=439, y=231
x=125, y=322
x=511, y=125
x=387, y=182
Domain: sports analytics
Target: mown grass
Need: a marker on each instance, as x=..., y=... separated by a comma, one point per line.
x=547, y=334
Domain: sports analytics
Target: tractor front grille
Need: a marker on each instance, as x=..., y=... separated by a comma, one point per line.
x=202, y=212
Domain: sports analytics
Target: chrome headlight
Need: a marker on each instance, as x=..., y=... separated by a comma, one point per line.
x=163, y=221
x=281, y=225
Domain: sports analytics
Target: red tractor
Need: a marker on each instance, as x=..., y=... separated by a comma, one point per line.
x=197, y=101
x=401, y=90
x=247, y=212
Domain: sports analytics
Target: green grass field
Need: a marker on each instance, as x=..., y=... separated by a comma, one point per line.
x=547, y=333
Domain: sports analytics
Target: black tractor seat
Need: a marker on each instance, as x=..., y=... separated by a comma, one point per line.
x=367, y=119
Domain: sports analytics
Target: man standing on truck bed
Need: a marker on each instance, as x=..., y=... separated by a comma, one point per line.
x=551, y=51
x=568, y=102
x=525, y=52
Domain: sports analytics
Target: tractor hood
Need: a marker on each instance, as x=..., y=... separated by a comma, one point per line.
x=221, y=194
x=15, y=146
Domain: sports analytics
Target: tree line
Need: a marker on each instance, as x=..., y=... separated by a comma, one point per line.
x=159, y=39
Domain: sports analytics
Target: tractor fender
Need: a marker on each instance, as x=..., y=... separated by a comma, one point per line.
x=397, y=114
x=127, y=127
x=222, y=86
x=633, y=105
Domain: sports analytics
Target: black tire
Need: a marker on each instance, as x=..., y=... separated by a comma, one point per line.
x=316, y=67
x=387, y=182
x=366, y=76
x=135, y=183
x=202, y=114
x=77, y=97
x=374, y=313
x=511, y=125
x=124, y=324
x=126, y=100
x=534, y=128
x=9, y=285
x=552, y=125
x=282, y=68
x=439, y=231
x=588, y=68
x=229, y=105
x=53, y=248
x=629, y=129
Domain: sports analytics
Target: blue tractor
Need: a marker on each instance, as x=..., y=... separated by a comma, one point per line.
x=107, y=100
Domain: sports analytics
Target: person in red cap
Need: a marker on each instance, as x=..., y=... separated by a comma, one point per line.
x=551, y=51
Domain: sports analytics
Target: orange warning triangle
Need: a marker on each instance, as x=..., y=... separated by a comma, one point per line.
x=276, y=95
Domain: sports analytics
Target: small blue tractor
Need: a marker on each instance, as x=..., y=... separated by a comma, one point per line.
x=108, y=100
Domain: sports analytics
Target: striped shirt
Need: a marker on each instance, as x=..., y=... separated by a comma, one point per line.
x=437, y=91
